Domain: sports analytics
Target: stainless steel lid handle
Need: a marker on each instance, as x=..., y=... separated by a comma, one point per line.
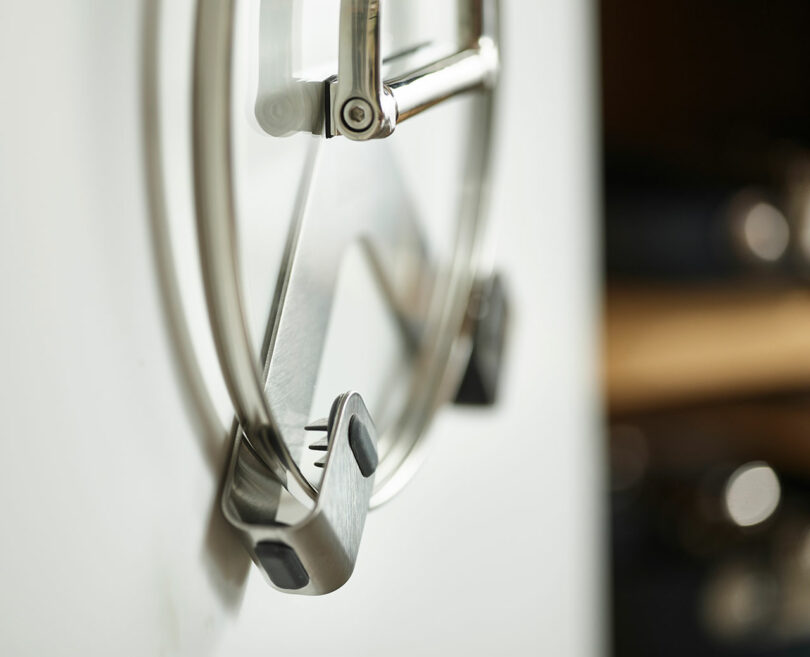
x=361, y=107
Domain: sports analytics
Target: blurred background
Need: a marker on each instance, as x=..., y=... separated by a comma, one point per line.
x=706, y=174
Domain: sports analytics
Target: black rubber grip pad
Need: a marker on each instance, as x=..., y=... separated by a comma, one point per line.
x=282, y=565
x=362, y=447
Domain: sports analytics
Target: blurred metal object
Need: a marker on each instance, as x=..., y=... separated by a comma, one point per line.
x=285, y=105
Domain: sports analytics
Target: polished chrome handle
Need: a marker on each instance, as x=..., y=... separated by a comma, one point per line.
x=361, y=106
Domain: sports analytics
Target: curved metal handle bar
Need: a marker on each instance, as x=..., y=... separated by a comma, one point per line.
x=362, y=107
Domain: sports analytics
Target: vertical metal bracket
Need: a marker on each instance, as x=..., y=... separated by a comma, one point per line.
x=360, y=106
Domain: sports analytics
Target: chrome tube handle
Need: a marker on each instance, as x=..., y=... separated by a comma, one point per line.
x=363, y=108
x=360, y=106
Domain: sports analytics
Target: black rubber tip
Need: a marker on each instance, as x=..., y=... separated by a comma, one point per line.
x=362, y=447
x=282, y=565
x=479, y=386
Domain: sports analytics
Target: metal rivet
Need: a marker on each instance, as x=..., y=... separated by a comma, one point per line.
x=357, y=114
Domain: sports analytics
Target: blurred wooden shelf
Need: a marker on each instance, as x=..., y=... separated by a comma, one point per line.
x=667, y=346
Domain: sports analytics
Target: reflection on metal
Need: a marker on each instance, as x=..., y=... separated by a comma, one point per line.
x=301, y=521
x=285, y=104
x=362, y=107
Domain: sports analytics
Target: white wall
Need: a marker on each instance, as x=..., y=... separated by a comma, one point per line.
x=111, y=542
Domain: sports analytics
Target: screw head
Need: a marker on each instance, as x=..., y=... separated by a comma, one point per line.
x=357, y=114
